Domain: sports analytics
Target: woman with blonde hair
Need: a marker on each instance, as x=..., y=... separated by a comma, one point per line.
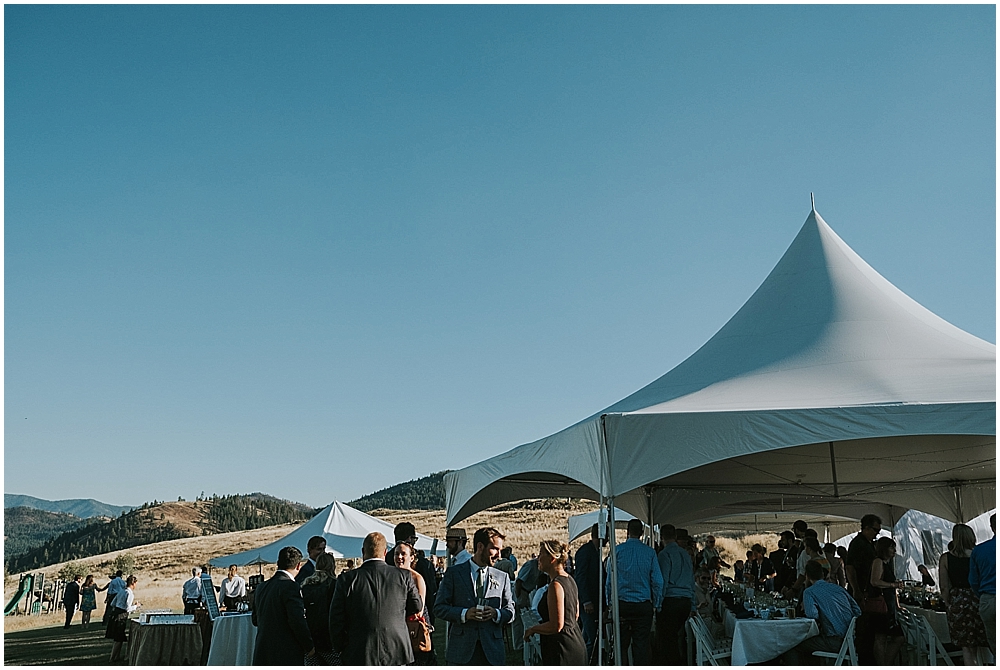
x=964, y=623
x=561, y=638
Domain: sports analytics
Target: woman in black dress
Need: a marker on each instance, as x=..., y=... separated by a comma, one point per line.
x=561, y=639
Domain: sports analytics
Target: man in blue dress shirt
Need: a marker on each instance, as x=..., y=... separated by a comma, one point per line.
x=678, y=596
x=983, y=580
x=832, y=608
x=640, y=585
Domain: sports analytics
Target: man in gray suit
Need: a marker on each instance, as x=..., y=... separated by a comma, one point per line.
x=475, y=598
x=369, y=609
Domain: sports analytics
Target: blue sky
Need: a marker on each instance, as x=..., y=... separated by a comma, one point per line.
x=319, y=250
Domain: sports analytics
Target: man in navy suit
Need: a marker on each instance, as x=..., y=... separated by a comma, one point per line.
x=475, y=598
x=316, y=547
x=283, y=636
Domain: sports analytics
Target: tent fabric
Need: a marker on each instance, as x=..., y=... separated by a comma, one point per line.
x=828, y=381
x=827, y=526
x=343, y=527
x=580, y=524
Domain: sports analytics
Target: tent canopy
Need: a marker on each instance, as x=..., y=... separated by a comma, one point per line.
x=580, y=524
x=343, y=527
x=828, y=382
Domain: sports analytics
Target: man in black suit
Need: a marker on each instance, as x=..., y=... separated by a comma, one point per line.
x=71, y=598
x=369, y=609
x=407, y=532
x=282, y=633
x=588, y=584
x=316, y=547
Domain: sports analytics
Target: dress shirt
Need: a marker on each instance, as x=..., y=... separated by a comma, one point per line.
x=983, y=567
x=461, y=557
x=480, y=575
x=678, y=576
x=116, y=586
x=125, y=600
x=800, y=562
x=831, y=606
x=639, y=576
x=192, y=589
x=234, y=588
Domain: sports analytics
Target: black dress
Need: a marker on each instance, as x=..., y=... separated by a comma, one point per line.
x=567, y=646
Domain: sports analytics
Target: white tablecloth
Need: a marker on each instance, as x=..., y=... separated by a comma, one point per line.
x=759, y=641
x=938, y=621
x=233, y=637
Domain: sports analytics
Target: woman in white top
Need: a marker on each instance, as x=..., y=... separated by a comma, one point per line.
x=123, y=604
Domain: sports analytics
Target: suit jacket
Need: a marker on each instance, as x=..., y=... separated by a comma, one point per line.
x=456, y=594
x=368, y=615
x=307, y=569
x=279, y=614
x=588, y=573
x=72, y=594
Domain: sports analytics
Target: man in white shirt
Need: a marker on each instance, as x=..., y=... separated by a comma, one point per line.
x=191, y=593
x=234, y=589
x=114, y=587
x=455, y=541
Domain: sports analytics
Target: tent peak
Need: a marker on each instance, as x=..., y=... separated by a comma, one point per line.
x=812, y=201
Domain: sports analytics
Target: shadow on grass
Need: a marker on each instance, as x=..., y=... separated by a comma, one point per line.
x=57, y=646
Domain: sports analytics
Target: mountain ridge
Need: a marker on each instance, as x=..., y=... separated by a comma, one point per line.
x=84, y=508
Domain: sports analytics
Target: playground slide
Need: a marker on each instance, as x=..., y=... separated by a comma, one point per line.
x=22, y=589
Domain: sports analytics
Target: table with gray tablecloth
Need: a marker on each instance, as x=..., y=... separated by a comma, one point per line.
x=233, y=637
x=937, y=620
x=759, y=641
x=164, y=644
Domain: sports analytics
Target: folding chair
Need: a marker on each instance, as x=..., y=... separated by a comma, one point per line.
x=847, y=650
x=935, y=650
x=916, y=652
x=707, y=648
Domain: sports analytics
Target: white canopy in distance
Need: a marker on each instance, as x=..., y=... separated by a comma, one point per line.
x=829, y=383
x=343, y=527
x=580, y=524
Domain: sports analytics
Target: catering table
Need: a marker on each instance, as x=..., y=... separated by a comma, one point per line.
x=164, y=644
x=759, y=641
x=937, y=620
x=233, y=638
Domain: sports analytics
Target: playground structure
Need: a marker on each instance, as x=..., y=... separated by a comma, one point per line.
x=35, y=595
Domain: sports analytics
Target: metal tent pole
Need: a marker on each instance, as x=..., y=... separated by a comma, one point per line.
x=615, y=614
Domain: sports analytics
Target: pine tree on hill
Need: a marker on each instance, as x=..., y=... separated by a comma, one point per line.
x=424, y=493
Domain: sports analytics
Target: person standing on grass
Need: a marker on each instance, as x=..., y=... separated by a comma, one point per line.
x=123, y=604
x=640, y=588
x=88, y=599
x=192, y=595
x=114, y=587
x=279, y=614
x=71, y=598
x=233, y=589
x=678, y=597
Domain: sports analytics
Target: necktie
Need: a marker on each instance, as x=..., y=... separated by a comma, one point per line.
x=481, y=585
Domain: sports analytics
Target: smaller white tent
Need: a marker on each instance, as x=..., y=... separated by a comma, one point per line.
x=343, y=527
x=581, y=524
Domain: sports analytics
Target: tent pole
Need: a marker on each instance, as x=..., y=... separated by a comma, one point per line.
x=958, y=502
x=615, y=614
x=833, y=468
x=602, y=526
x=649, y=513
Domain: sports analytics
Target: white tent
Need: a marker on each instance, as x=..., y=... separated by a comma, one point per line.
x=829, y=382
x=580, y=524
x=343, y=527
x=827, y=526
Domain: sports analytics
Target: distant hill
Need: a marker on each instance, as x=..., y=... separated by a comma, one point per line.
x=159, y=522
x=83, y=509
x=25, y=528
x=424, y=493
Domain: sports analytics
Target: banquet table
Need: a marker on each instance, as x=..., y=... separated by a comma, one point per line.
x=759, y=641
x=937, y=620
x=164, y=644
x=233, y=638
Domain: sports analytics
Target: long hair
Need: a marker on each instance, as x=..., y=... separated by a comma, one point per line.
x=964, y=538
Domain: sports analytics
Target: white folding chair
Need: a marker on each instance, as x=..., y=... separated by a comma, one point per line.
x=847, y=650
x=707, y=648
x=532, y=648
x=915, y=648
x=935, y=650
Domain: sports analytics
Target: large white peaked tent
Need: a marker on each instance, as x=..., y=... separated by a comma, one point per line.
x=343, y=527
x=829, y=384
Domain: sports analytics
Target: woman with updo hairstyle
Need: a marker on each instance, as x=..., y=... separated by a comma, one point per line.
x=560, y=636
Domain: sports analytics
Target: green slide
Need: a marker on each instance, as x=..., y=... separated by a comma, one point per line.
x=22, y=589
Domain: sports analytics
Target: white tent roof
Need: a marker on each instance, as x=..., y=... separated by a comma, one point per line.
x=828, y=382
x=343, y=527
x=580, y=524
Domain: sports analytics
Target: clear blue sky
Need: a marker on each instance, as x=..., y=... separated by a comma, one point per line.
x=319, y=250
